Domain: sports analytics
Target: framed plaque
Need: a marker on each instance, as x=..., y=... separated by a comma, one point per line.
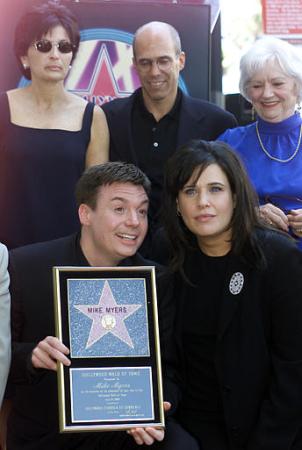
x=107, y=317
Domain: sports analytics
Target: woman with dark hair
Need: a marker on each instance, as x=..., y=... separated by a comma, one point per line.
x=237, y=306
x=47, y=135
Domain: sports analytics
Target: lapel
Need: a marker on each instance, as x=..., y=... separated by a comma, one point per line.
x=123, y=150
x=234, y=292
x=190, y=121
x=128, y=122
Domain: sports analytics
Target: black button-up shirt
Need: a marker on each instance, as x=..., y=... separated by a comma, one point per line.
x=154, y=143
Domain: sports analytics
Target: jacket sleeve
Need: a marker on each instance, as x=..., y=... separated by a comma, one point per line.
x=5, y=338
x=280, y=417
x=170, y=366
x=22, y=371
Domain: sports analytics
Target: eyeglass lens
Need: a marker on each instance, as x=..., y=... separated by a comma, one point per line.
x=164, y=63
x=44, y=46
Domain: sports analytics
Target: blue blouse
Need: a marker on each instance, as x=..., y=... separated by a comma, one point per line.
x=275, y=182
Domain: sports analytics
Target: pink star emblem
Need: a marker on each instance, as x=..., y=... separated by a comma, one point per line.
x=103, y=83
x=108, y=317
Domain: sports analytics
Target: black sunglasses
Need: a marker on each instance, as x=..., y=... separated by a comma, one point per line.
x=44, y=46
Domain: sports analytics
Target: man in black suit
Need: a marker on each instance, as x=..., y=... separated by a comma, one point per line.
x=113, y=204
x=147, y=127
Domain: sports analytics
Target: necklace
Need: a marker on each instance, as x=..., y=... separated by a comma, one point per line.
x=273, y=157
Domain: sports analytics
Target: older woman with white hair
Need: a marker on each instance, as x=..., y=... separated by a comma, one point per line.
x=271, y=79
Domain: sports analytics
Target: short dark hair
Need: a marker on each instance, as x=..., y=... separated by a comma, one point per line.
x=179, y=169
x=37, y=21
x=108, y=173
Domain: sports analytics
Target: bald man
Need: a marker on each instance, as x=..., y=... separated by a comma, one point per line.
x=147, y=127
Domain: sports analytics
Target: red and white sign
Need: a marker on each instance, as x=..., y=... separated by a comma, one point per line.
x=282, y=18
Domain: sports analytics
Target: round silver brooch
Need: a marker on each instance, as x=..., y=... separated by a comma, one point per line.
x=236, y=283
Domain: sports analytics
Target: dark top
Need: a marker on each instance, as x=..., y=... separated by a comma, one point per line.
x=154, y=142
x=202, y=394
x=38, y=172
x=201, y=408
x=258, y=355
x=33, y=423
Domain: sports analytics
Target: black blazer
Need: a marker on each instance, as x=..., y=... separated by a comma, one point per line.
x=259, y=349
x=199, y=119
x=34, y=420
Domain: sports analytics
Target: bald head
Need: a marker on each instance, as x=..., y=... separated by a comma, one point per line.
x=158, y=59
x=157, y=28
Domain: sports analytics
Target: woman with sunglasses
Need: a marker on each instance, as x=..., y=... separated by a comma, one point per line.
x=237, y=306
x=47, y=135
x=271, y=147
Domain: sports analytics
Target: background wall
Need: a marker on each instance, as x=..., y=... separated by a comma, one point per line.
x=193, y=21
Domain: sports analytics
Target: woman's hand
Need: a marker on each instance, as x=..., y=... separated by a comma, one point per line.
x=295, y=221
x=149, y=435
x=275, y=217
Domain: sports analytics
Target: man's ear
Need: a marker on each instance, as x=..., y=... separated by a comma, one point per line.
x=182, y=60
x=84, y=214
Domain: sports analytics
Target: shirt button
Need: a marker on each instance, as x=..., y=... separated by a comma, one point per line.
x=235, y=433
x=226, y=388
x=155, y=144
x=154, y=129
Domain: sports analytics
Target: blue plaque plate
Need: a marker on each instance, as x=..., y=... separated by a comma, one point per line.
x=107, y=317
x=111, y=394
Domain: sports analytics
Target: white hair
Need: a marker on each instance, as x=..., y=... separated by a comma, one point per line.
x=268, y=49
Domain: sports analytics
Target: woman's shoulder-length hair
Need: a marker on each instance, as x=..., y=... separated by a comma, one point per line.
x=194, y=157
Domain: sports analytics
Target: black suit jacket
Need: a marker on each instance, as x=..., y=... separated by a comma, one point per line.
x=199, y=119
x=34, y=420
x=259, y=349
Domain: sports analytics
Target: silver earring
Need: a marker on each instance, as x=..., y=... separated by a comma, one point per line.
x=178, y=213
x=25, y=66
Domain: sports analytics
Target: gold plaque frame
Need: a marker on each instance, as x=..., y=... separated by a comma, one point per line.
x=108, y=319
